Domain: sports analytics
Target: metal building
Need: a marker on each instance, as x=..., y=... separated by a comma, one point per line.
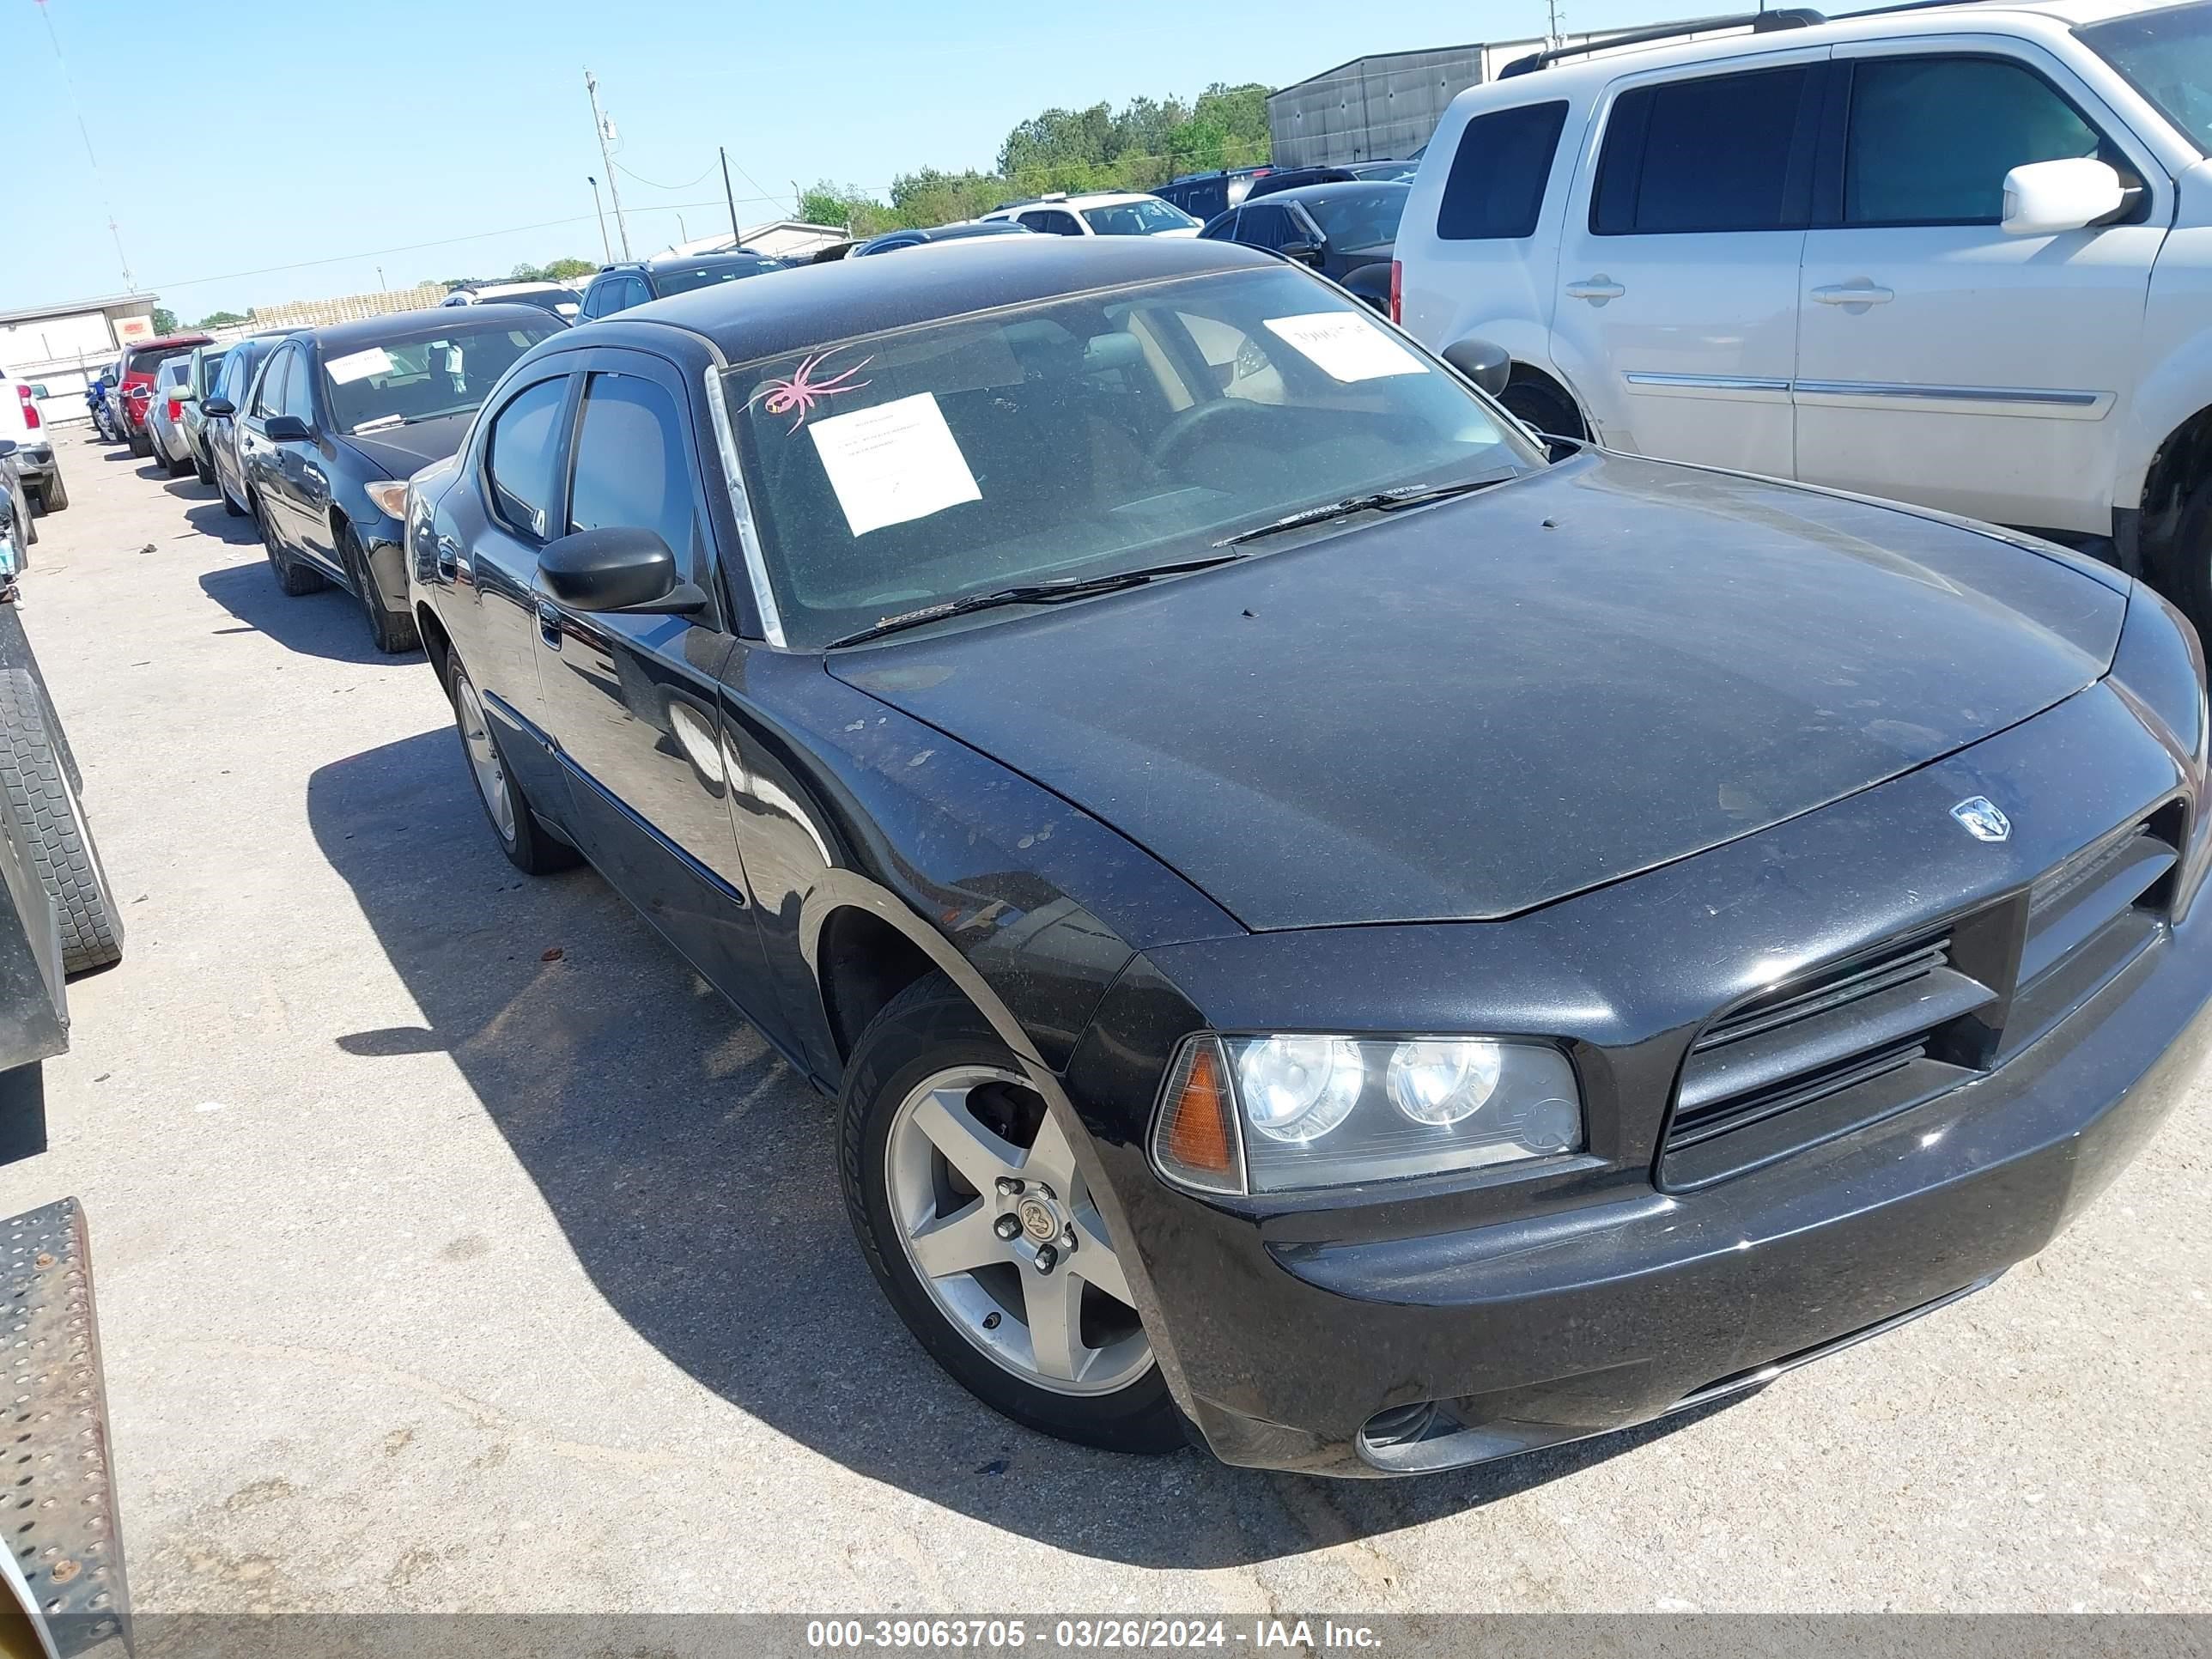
x=1370, y=109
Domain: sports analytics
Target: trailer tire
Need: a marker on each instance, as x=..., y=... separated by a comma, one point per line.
x=61, y=841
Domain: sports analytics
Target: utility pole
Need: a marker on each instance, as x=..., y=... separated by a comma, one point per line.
x=599, y=125
x=605, y=246
x=737, y=236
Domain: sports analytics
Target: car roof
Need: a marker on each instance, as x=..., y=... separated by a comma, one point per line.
x=785, y=311
x=1329, y=192
x=1578, y=73
x=403, y=325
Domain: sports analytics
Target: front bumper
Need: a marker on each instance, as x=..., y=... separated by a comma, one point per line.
x=1448, y=1324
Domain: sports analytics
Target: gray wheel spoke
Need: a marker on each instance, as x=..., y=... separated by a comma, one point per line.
x=1094, y=1260
x=968, y=1146
x=957, y=1244
x=1052, y=1304
x=1051, y=1159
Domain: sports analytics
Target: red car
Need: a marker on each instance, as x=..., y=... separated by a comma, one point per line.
x=139, y=364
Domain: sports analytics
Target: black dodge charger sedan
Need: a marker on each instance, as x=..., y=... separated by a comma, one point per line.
x=335, y=420
x=1334, y=927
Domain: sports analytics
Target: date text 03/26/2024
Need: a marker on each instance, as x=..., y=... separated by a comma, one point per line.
x=1089, y=1635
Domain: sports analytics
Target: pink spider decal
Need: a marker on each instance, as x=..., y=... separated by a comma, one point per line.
x=798, y=395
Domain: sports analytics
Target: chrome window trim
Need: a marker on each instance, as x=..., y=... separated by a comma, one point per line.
x=726, y=444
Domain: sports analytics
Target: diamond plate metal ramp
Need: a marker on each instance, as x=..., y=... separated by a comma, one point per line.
x=57, y=1477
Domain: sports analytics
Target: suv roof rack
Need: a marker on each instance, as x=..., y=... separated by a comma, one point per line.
x=1759, y=22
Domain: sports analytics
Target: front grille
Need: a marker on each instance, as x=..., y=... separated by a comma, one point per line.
x=1816, y=1037
x=1880, y=1032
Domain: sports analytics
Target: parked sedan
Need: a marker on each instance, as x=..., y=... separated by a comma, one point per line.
x=1337, y=228
x=218, y=414
x=891, y=240
x=164, y=429
x=199, y=386
x=135, y=391
x=638, y=281
x=337, y=419
x=1350, y=1044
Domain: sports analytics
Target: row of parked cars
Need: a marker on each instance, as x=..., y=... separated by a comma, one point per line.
x=1173, y=753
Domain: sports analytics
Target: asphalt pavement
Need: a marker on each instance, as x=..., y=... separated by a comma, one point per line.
x=457, y=1248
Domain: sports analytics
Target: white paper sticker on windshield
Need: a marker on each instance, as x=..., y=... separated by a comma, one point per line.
x=894, y=463
x=358, y=366
x=1345, y=346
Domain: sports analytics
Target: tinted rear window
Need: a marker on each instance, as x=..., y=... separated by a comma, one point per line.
x=1496, y=187
x=1709, y=155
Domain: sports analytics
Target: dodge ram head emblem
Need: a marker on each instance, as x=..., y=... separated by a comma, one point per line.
x=1982, y=818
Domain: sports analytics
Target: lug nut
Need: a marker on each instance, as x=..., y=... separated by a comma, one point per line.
x=1009, y=1186
x=1046, y=1258
x=1007, y=1226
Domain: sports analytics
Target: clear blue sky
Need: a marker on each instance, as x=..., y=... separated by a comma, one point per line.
x=287, y=131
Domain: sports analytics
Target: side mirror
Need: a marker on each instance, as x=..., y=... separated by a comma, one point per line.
x=617, y=568
x=2041, y=198
x=1372, y=284
x=1305, y=253
x=1487, y=365
x=7, y=447
x=219, y=407
x=286, y=429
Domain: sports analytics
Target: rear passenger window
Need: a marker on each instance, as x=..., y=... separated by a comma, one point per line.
x=1496, y=187
x=631, y=468
x=521, y=452
x=1709, y=155
x=1932, y=138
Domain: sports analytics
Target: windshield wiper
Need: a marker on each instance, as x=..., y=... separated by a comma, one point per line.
x=1378, y=500
x=1052, y=593
x=382, y=423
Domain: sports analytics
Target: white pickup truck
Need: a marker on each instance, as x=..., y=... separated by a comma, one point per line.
x=1957, y=255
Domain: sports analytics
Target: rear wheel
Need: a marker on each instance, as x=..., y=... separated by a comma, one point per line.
x=53, y=495
x=528, y=846
x=2190, y=560
x=292, y=577
x=179, y=464
x=1538, y=402
x=978, y=1223
x=141, y=444
x=61, y=841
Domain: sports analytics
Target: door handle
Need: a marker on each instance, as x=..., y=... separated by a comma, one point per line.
x=449, y=558
x=1596, y=289
x=549, y=625
x=1860, y=292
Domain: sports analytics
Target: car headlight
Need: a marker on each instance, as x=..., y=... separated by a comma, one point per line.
x=1285, y=1113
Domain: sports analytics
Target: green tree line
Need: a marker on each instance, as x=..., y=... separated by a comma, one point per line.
x=1142, y=145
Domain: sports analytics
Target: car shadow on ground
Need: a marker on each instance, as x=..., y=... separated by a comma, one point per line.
x=694, y=1175
x=325, y=624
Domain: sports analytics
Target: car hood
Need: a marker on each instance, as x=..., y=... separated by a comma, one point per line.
x=1478, y=707
x=402, y=451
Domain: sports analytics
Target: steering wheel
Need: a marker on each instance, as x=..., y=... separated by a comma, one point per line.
x=1184, y=423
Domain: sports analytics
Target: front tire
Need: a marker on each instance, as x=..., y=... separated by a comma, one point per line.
x=392, y=635
x=527, y=845
x=2191, y=559
x=936, y=1118
x=142, y=445
x=202, y=470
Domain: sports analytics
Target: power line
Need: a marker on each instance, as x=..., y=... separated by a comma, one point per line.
x=416, y=248
x=686, y=185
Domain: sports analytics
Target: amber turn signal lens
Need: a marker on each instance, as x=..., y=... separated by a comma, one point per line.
x=1198, y=1131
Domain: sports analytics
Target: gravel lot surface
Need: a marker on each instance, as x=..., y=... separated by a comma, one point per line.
x=435, y=1274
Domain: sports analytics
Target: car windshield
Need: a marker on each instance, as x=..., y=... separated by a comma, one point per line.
x=1148, y=216
x=2166, y=55
x=682, y=279
x=1085, y=436
x=421, y=378
x=1359, y=218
